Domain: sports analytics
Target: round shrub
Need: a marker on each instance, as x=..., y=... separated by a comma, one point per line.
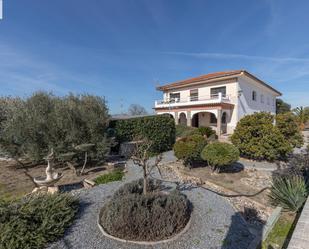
x=34, y=221
x=288, y=125
x=189, y=149
x=257, y=138
x=220, y=154
x=150, y=217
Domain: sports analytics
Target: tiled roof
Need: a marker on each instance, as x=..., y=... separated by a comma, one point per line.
x=212, y=76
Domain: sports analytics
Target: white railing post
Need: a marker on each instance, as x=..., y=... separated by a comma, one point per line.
x=220, y=96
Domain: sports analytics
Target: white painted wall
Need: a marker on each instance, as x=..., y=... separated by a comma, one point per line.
x=240, y=92
x=248, y=106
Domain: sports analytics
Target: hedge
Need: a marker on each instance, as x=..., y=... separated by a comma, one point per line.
x=160, y=129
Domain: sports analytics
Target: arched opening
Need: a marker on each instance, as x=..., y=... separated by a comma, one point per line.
x=182, y=119
x=206, y=119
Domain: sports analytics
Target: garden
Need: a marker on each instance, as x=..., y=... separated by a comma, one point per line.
x=66, y=182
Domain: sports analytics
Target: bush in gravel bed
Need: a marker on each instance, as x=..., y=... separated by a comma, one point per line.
x=36, y=220
x=131, y=215
x=189, y=149
x=220, y=155
x=113, y=176
x=257, y=138
x=288, y=126
x=136, y=187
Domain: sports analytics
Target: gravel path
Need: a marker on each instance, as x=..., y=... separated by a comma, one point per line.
x=214, y=223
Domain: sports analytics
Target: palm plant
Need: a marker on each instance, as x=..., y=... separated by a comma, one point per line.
x=302, y=115
x=289, y=192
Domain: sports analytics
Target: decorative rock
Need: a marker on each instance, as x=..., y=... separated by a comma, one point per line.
x=88, y=183
x=53, y=190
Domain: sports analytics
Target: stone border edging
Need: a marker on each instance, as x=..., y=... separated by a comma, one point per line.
x=300, y=238
x=149, y=243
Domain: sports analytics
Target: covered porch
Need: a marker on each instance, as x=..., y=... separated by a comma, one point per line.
x=217, y=117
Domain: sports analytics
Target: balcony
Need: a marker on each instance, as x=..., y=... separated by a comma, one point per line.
x=191, y=101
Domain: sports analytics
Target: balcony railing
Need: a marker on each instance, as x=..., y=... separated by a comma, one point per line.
x=193, y=100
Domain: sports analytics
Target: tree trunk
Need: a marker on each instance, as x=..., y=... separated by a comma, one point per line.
x=145, y=180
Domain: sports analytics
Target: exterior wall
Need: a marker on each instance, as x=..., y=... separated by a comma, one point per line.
x=204, y=91
x=245, y=103
x=239, y=91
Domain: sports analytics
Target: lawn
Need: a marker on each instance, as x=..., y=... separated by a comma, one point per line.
x=281, y=233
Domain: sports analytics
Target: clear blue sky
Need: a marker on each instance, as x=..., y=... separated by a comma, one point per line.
x=122, y=49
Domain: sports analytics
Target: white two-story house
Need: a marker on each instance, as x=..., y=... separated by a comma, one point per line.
x=218, y=100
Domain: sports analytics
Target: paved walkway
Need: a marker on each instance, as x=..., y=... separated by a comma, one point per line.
x=214, y=223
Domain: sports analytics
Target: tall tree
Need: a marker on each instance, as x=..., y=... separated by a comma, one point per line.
x=136, y=109
x=282, y=107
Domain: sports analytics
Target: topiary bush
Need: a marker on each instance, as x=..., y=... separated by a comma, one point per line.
x=257, y=138
x=290, y=192
x=159, y=129
x=288, y=125
x=220, y=155
x=152, y=217
x=36, y=220
x=189, y=149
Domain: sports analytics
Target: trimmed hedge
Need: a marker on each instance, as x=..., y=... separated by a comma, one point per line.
x=160, y=129
x=189, y=149
x=220, y=154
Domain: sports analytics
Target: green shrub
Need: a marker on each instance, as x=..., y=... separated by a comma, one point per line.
x=257, y=138
x=159, y=129
x=150, y=217
x=116, y=175
x=136, y=187
x=290, y=192
x=288, y=125
x=34, y=221
x=206, y=131
x=189, y=149
x=31, y=127
x=220, y=154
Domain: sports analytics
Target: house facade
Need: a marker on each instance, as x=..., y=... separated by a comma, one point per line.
x=218, y=100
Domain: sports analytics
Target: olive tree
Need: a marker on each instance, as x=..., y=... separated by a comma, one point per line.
x=30, y=127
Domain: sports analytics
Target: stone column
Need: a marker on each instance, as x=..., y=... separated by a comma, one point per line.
x=219, y=117
x=176, y=118
x=189, y=118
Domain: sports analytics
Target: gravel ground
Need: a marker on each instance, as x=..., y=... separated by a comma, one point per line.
x=214, y=223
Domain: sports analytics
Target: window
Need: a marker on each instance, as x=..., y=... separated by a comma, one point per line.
x=216, y=90
x=262, y=98
x=213, y=119
x=254, y=95
x=194, y=95
x=174, y=97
